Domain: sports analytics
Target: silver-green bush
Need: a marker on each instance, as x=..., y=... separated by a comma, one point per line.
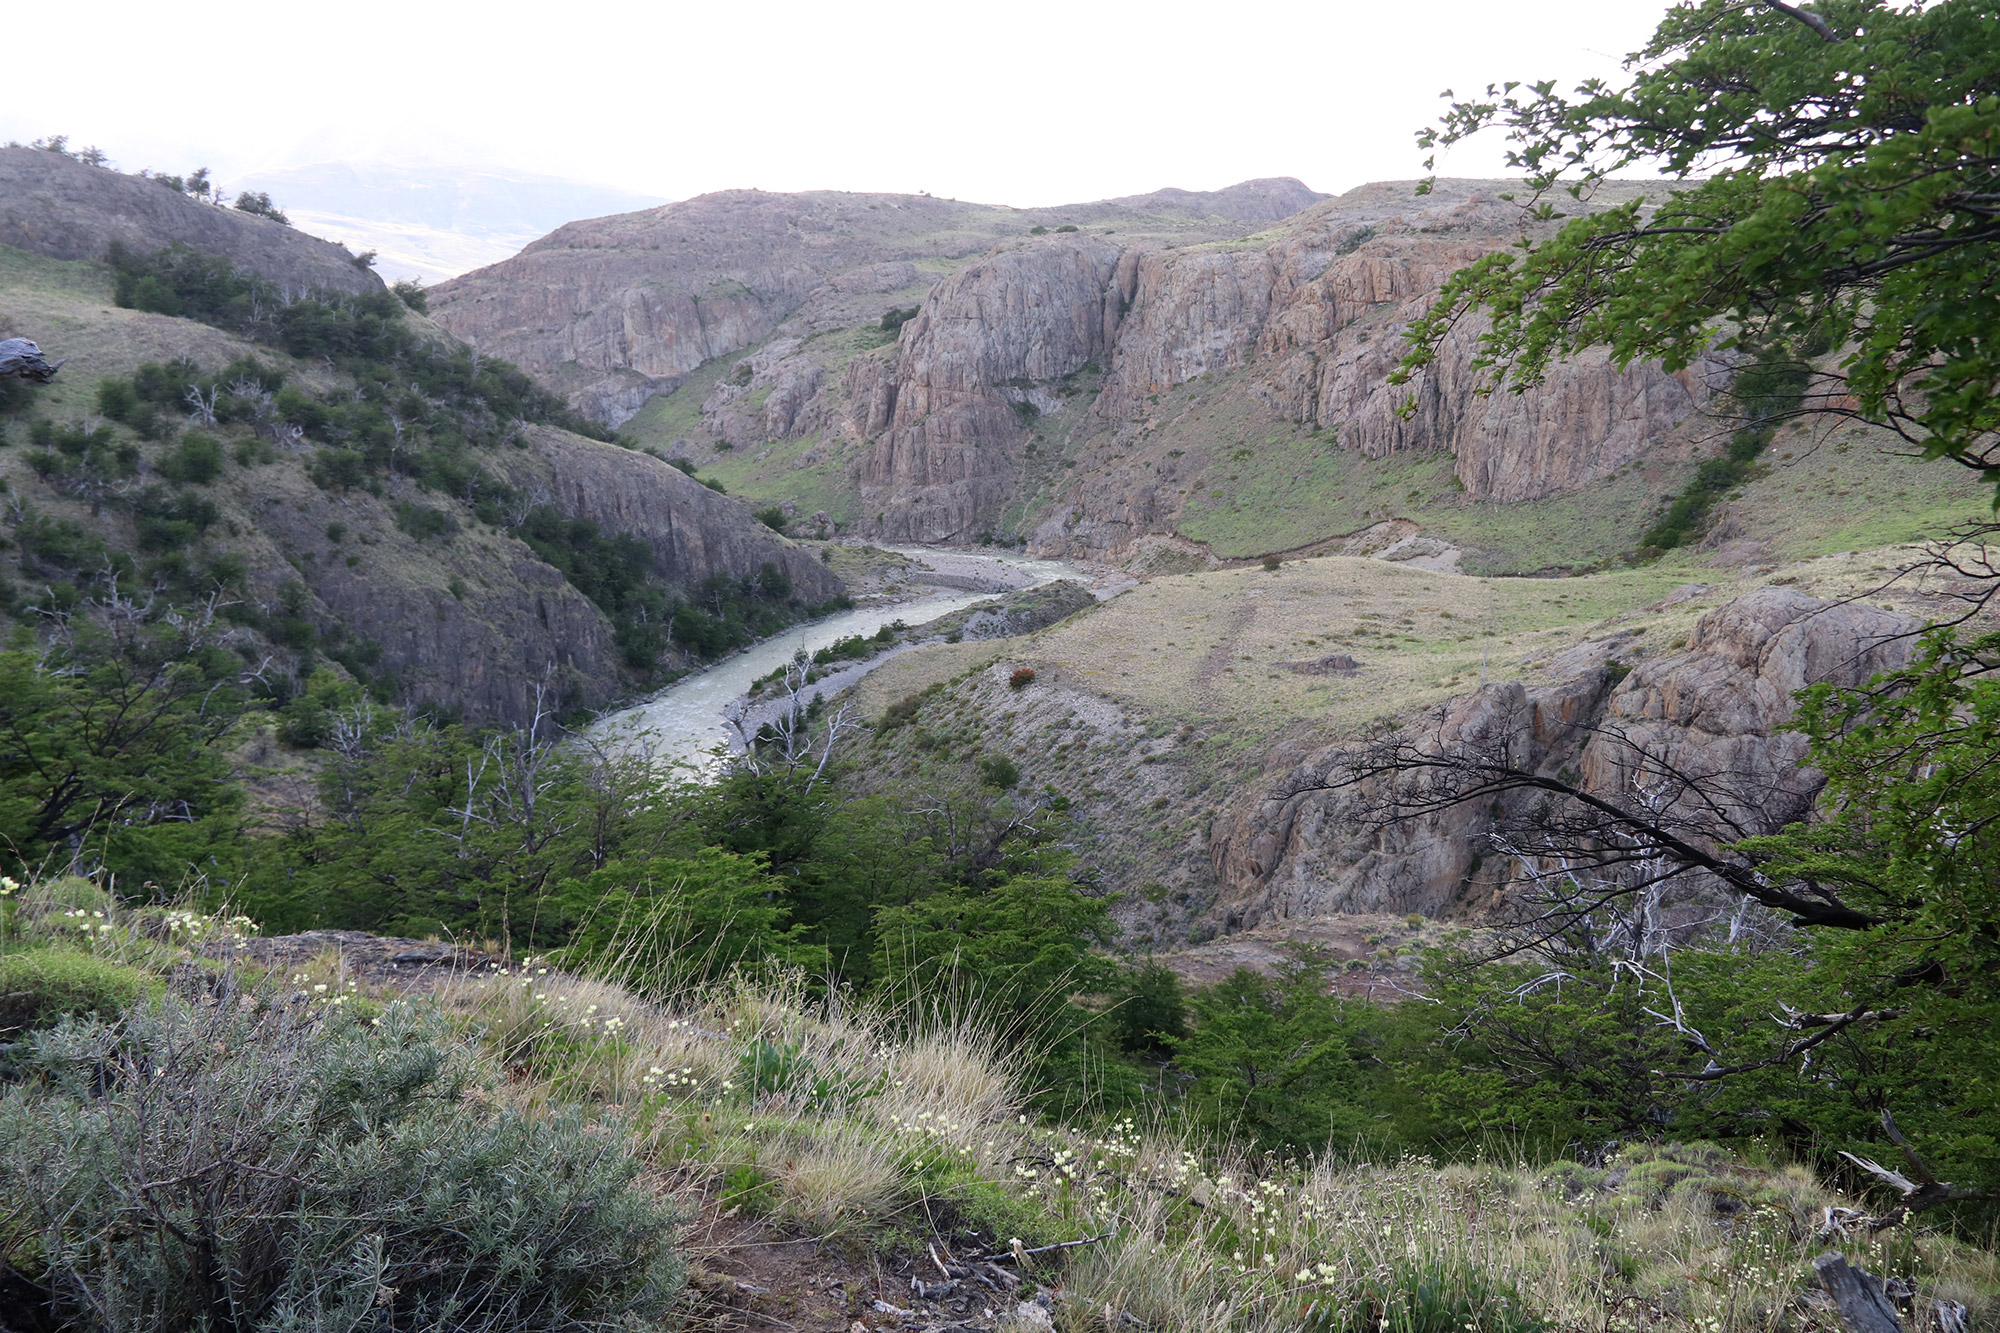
x=227, y=1163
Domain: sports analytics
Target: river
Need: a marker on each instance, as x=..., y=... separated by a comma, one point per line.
x=683, y=723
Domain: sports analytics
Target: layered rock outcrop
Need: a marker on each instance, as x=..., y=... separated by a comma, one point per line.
x=56, y=206
x=1712, y=710
x=1298, y=326
x=979, y=361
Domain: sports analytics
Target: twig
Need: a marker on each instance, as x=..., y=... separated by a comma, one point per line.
x=1045, y=1249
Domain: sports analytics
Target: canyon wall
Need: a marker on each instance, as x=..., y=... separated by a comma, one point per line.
x=1065, y=337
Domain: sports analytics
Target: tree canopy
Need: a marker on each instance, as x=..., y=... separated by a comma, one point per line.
x=1832, y=181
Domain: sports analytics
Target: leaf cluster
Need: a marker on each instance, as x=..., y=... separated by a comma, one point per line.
x=1838, y=178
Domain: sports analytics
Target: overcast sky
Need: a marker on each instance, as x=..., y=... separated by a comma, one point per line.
x=1025, y=103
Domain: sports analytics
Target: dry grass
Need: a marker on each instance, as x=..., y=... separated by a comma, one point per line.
x=838, y=1122
x=1207, y=647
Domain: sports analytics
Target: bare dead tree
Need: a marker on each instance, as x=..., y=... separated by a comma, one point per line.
x=1920, y=1189
x=201, y=406
x=794, y=738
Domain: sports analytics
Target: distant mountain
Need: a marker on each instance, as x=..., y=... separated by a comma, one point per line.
x=1265, y=200
x=433, y=222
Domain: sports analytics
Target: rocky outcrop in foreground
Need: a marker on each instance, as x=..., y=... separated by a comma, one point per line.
x=56, y=206
x=1712, y=709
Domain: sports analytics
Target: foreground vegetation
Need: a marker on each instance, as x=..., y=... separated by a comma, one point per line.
x=571, y=1128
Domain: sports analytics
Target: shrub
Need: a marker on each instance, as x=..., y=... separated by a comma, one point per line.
x=195, y=461
x=772, y=518
x=1272, y=564
x=41, y=986
x=309, y=1171
x=412, y=294
x=1022, y=678
x=894, y=320
x=423, y=523
x=999, y=771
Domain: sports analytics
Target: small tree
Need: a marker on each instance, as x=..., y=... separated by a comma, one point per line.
x=258, y=204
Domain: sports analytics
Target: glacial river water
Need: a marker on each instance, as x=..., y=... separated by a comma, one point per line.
x=686, y=721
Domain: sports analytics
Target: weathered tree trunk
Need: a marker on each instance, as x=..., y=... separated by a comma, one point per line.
x=1864, y=1307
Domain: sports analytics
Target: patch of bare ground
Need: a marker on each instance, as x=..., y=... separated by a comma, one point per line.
x=374, y=962
x=747, y=1275
x=1372, y=955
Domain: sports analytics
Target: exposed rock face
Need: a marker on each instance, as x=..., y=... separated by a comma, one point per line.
x=693, y=531
x=1314, y=315
x=520, y=626
x=1712, y=710
x=614, y=310
x=1298, y=326
x=976, y=363
x=476, y=620
x=56, y=206
x=1311, y=319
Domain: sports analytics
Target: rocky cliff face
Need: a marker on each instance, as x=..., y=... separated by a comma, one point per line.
x=1307, y=323
x=694, y=533
x=56, y=206
x=615, y=310
x=984, y=355
x=1066, y=342
x=1712, y=710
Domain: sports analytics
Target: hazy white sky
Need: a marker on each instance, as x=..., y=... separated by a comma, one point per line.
x=1028, y=102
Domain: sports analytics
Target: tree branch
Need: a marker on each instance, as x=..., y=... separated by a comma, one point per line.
x=1805, y=16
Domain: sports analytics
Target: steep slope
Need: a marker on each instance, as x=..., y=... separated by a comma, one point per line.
x=615, y=310
x=426, y=588
x=56, y=206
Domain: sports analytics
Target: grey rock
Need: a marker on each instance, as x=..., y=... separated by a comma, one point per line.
x=21, y=359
